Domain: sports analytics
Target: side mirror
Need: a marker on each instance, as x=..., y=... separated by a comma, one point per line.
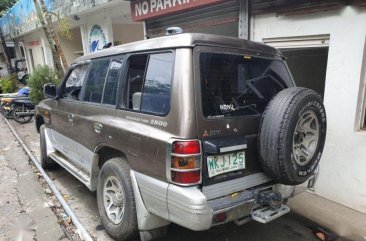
x=50, y=91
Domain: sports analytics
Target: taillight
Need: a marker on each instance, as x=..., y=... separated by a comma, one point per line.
x=185, y=165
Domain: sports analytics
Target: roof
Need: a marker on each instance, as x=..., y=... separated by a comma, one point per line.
x=181, y=41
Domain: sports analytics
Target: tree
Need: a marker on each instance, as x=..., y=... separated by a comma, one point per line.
x=51, y=36
x=4, y=6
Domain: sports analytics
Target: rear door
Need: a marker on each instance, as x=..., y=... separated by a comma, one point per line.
x=233, y=87
x=97, y=107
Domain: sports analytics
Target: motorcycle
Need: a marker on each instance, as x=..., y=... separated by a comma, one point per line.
x=23, y=110
x=6, y=105
x=7, y=100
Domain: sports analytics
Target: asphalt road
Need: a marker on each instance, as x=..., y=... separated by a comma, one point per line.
x=290, y=227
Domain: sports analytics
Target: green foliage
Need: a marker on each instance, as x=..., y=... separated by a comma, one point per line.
x=41, y=76
x=5, y=5
x=9, y=84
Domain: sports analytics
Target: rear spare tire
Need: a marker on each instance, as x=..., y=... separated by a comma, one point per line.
x=292, y=135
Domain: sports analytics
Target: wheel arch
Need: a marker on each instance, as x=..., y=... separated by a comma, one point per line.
x=102, y=153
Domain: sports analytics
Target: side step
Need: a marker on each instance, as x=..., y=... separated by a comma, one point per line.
x=266, y=214
x=83, y=177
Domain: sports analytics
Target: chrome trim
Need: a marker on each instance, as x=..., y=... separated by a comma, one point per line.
x=185, y=170
x=239, y=184
x=233, y=148
x=186, y=155
x=145, y=219
x=169, y=162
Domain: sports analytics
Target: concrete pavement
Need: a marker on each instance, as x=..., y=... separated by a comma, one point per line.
x=23, y=202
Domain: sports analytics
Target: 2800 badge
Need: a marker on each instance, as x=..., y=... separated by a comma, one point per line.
x=158, y=123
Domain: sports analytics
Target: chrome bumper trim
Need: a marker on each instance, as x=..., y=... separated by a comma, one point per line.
x=236, y=185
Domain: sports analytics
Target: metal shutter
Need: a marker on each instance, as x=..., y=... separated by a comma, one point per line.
x=199, y=20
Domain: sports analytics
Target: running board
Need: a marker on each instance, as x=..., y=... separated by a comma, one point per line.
x=266, y=214
x=81, y=176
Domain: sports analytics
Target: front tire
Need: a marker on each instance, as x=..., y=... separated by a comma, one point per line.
x=116, y=202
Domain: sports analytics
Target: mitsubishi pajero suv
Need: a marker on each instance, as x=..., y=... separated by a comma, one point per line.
x=194, y=129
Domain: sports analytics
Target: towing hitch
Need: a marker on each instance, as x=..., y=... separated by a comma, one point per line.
x=269, y=207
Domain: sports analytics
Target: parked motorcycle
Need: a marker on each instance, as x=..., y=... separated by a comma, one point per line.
x=22, y=110
x=7, y=100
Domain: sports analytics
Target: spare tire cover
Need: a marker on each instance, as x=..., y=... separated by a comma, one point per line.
x=292, y=135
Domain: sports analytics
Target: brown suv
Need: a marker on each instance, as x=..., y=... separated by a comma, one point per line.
x=194, y=129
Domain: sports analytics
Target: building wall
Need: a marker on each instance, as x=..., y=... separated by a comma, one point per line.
x=126, y=33
x=71, y=46
x=36, y=41
x=342, y=169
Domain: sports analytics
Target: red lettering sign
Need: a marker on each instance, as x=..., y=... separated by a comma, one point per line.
x=33, y=43
x=147, y=9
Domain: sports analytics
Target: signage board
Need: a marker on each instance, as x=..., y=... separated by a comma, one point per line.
x=147, y=9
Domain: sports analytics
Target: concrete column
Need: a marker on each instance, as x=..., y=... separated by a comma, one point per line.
x=244, y=17
x=84, y=38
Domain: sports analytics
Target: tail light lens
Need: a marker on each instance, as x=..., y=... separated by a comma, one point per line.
x=185, y=166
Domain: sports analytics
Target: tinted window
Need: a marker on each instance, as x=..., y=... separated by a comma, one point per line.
x=149, y=79
x=236, y=85
x=111, y=84
x=156, y=93
x=74, y=82
x=93, y=89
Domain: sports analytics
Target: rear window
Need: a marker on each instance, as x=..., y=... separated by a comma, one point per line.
x=238, y=85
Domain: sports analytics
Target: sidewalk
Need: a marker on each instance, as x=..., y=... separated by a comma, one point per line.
x=344, y=221
x=23, y=202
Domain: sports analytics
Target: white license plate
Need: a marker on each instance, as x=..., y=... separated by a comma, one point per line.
x=219, y=164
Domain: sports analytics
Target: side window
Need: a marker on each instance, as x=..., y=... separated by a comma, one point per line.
x=111, y=84
x=156, y=93
x=149, y=81
x=135, y=77
x=93, y=89
x=74, y=82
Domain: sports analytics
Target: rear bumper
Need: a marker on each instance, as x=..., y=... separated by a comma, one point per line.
x=195, y=209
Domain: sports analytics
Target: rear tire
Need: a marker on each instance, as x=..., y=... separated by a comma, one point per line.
x=21, y=119
x=46, y=162
x=292, y=135
x=116, y=202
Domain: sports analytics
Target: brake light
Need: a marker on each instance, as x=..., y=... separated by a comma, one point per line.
x=186, y=147
x=185, y=166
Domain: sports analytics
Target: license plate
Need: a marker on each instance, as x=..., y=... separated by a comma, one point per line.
x=220, y=164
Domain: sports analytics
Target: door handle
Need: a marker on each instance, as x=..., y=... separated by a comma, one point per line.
x=98, y=127
x=70, y=117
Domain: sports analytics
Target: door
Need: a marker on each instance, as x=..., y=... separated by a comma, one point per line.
x=233, y=88
x=97, y=108
x=63, y=133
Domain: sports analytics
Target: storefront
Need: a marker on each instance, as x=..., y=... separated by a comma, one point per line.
x=204, y=16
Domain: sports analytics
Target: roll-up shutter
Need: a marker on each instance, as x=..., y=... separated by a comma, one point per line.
x=219, y=19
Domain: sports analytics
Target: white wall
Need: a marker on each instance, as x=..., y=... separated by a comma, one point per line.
x=343, y=165
x=101, y=19
x=126, y=33
x=71, y=46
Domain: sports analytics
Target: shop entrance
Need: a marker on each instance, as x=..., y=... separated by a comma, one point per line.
x=307, y=59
